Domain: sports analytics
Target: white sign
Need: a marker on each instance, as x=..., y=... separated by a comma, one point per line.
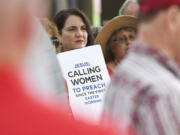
x=87, y=77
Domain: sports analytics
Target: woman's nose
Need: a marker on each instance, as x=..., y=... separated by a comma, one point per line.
x=128, y=42
x=79, y=33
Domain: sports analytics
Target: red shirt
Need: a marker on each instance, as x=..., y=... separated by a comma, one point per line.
x=110, y=71
x=20, y=115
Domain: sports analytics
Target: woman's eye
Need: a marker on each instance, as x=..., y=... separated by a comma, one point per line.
x=131, y=37
x=84, y=28
x=71, y=29
x=120, y=39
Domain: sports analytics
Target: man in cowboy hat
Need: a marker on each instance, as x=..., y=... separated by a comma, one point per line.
x=145, y=91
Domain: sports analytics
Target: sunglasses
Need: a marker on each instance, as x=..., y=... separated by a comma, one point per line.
x=124, y=39
x=55, y=41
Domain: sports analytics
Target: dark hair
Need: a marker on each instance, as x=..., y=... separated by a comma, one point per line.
x=62, y=16
x=109, y=53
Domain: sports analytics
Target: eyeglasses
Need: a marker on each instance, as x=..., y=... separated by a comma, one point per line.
x=124, y=39
x=55, y=41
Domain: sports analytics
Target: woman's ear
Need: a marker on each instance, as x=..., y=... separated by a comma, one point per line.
x=172, y=18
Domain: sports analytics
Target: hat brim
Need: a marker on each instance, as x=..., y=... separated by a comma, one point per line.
x=115, y=24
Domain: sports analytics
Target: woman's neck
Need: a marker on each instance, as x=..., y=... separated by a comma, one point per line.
x=112, y=65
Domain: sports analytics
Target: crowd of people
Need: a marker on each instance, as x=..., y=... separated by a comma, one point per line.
x=140, y=46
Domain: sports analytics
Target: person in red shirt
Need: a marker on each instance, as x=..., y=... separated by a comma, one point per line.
x=20, y=114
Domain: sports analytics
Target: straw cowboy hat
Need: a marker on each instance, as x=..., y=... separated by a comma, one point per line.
x=113, y=25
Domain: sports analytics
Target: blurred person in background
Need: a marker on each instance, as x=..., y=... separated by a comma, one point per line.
x=41, y=63
x=52, y=30
x=145, y=90
x=115, y=39
x=43, y=67
x=96, y=30
x=74, y=29
x=20, y=114
x=130, y=7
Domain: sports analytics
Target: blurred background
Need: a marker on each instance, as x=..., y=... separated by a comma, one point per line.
x=98, y=11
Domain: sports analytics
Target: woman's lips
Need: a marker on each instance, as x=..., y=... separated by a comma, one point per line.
x=79, y=41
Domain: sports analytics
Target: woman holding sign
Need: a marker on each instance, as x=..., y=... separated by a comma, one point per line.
x=74, y=29
x=115, y=39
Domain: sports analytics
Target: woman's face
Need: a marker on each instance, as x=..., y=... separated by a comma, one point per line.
x=74, y=34
x=121, y=42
